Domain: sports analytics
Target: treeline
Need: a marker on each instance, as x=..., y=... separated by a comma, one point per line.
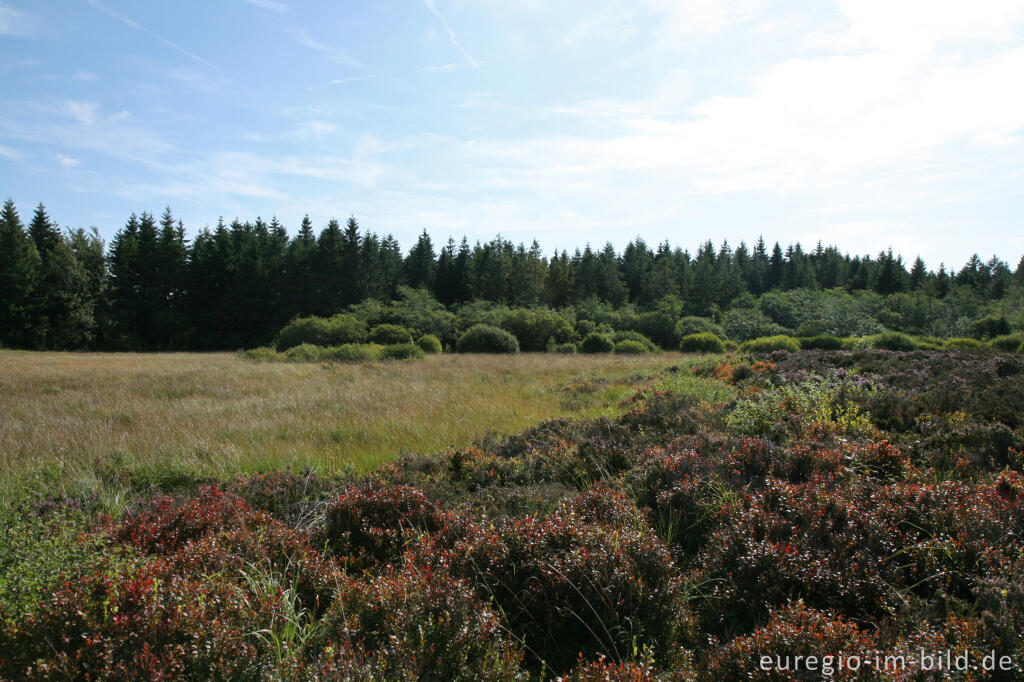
x=236, y=285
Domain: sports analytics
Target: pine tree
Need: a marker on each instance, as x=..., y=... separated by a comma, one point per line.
x=420, y=265
x=20, y=267
x=65, y=314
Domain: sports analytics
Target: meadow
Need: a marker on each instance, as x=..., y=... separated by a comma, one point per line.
x=101, y=423
x=657, y=518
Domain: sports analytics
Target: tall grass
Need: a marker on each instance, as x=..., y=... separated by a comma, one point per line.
x=79, y=423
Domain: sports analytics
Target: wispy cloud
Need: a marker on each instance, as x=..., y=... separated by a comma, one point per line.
x=451, y=34
x=353, y=79
x=442, y=68
x=17, y=23
x=96, y=4
x=335, y=54
x=272, y=5
x=12, y=154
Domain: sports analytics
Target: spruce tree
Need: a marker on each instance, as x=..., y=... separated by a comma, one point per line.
x=20, y=268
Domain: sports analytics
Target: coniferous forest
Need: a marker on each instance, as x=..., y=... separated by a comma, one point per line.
x=153, y=287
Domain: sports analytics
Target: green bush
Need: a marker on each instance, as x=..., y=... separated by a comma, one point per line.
x=403, y=351
x=963, y=344
x=990, y=326
x=660, y=327
x=635, y=336
x=535, y=328
x=1007, y=342
x=821, y=342
x=628, y=347
x=698, y=325
x=769, y=343
x=353, y=352
x=597, y=343
x=565, y=348
x=319, y=331
x=730, y=345
x=390, y=334
x=893, y=341
x=263, y=354
x=704, y=342
x=429, y=343
x=481, y=338
x=305, y=352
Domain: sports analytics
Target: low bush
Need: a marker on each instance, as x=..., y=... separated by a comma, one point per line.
x=415, y=623
x=705, y=342
x=629, y=347
x=305, y=352
x=402, y=351
x=319, y=331
x=390, y=334
x=565, y=348
x=429, y=343
x=821, y=342
x=534, y=329
x=353, y=352
x=635, y=336
x=892, y=341
x=597, y=343
x=481, y=338
x=767, y=344
x=1009, y=343
x=963, y=344
x=263, y=354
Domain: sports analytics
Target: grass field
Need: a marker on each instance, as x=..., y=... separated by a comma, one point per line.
x=93, y=422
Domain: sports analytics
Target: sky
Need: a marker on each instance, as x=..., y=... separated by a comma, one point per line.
x=867, y=124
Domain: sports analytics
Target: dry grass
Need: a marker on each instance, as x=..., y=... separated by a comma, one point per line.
x=83, y=422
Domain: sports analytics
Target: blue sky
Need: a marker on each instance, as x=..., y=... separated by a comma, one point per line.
x=864, y=123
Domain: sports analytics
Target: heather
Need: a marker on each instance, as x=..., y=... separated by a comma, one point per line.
x=731, y=507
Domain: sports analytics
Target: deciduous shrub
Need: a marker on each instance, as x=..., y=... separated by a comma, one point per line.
x=319, y=331
x=704, y=342
x=767, y=344
x=306, y=352
x=635, y=336
x=698, y=325
x=481, y=338
x=566, y=348
x=403, y=351
x=371, y=523
x=390, y=334
x=660, y=327
x=1009, y=343
x=263, y=354
x=353, y=352
x=821, y=342
x=629, y=347
x=893, y=341
x=597, y=343
x=990, y=326
x=429, y=343
x=963, y=344
x=417, y=622
x=534, y=329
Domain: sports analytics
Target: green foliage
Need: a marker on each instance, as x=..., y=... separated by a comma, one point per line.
x=1007, y=342
x=534, y=329
x=403, y=351
x=629, y=335
x=743, y=324
x=771, y=343
x=629, y=347
x=318, y=331
x=566, y=348
x=893, y=341
x=353, y=352
x=389, y=334
x=704, y=342
x=481, y=338
x=963, y=343
x=263, y=354
x=821, y=342
x=698, y=325
x=661, y=327
x=989, y=327
x=597, y=343
x=429, y=343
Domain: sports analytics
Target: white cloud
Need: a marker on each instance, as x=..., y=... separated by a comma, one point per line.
x=96, y=4
x=83, y=112
x=271, y=5
x=12, y=154
x=353, y=79
x=17, y=23
x=68, y=162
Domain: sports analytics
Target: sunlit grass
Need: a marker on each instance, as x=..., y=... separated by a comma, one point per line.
x=92, y=422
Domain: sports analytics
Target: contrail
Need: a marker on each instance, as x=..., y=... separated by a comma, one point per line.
x=96, y=4
x=451, y=34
